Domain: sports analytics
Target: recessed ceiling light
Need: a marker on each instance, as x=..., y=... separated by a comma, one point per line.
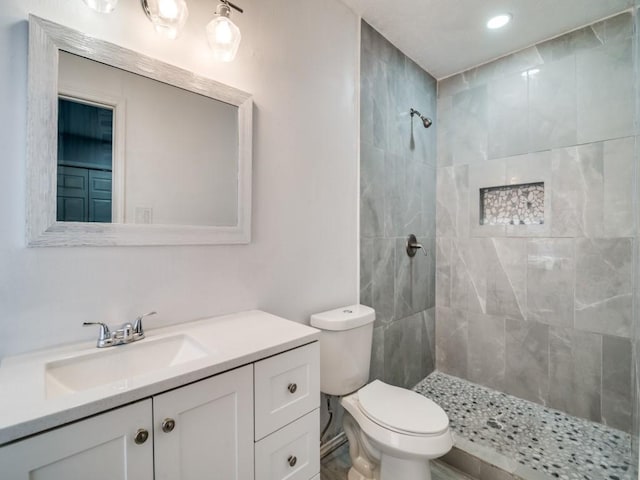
x=499, y=21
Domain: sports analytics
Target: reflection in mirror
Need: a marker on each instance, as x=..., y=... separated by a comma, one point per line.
x=85, y=161
x=178, y=158
x=127, y=150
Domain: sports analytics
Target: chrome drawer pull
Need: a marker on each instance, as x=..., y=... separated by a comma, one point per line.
x=168, y=425
x=292, y=388
x=141, y=436
x=292, y=461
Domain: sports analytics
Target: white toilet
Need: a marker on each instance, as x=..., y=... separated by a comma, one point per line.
x=393, y=432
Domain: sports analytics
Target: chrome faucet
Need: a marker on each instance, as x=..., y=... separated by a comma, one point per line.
x=126, y=333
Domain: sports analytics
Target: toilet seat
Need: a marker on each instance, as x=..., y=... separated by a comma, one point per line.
x=402, y=410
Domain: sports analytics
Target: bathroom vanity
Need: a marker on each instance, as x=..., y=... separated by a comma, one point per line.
x=237, y=396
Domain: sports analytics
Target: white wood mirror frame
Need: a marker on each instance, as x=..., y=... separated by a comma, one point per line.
x=46, y=39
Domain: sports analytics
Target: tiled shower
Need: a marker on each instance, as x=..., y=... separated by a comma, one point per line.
x=541, y=310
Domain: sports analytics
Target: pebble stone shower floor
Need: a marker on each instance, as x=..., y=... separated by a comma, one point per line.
x=543, y=439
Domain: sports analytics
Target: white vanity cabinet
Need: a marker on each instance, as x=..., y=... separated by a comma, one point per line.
x=102, y=447
x=200, y=430
x=191, y=432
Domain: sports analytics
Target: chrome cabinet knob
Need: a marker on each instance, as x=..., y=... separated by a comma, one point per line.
x=292, y=387
x=141, y=436
x=292, y=461
x=168, y=425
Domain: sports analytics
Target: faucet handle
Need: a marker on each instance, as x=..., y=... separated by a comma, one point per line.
x=137, y=326
x=105, y=335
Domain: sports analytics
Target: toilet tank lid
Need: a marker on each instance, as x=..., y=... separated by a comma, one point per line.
x=344, y=318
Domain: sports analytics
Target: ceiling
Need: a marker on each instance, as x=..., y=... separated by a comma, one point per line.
x=449, y=36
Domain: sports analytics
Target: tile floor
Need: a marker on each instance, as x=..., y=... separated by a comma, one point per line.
x=536, y=437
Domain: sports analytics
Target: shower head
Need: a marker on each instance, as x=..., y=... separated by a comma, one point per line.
x=425, y=120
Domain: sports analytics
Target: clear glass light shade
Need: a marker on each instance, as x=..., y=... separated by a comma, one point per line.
x=102, y=6
x=168, y=16
x=224, y=38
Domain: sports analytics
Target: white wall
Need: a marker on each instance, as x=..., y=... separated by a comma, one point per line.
x=299, y=59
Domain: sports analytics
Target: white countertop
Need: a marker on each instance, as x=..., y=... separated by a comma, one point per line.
x=230, y=341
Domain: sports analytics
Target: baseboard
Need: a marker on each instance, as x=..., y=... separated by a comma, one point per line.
x=333, y=444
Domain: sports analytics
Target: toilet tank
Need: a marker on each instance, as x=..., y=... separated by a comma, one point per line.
x=345, y=348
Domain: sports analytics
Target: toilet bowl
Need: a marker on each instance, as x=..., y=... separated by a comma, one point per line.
x=393, y=432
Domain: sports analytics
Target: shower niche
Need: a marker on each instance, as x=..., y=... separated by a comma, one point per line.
x=512, y=204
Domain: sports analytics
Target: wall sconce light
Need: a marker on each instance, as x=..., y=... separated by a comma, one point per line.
x=223, y=35
x=102, y=6
x=168, y=16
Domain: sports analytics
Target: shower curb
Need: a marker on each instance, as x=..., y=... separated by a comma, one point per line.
x=484, y=463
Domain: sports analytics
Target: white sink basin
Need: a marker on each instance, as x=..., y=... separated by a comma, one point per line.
x=118, y=365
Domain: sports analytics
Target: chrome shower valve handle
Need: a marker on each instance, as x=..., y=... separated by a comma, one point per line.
x=413, y=246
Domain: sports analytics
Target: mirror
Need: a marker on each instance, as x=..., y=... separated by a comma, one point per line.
x=126, y=150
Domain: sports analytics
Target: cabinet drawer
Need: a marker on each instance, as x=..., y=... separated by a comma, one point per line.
x=292, y=453
x=287, y=386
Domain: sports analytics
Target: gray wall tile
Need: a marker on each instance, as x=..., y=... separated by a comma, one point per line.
x=376, y=369
x=617, y=382
x=527, y=360
x=452, y=197
x=383, y=279
x=366, y=271
x=550, y=281
x=603, y=295
x=403, y=351
x=619, y=157
x=428, y=341
x=604, y=87
x=575, y=372
x=567, y=45
x=445, y=130
x=552, y=104
x=507, y=277
x=470, y=129
x=371, y=191
x=508, y=116
x=577, y=191
x=451, y=341
x=443, y=272
x=619, y=27
x=486, y=362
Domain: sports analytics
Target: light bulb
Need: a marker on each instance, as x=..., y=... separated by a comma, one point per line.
x=223, y=32
x=102, y=6
x=168, y=16
x=223, y=35
x=499, y=21
x=168, y=9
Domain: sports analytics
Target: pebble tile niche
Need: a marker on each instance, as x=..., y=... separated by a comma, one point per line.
x=512, y=204
x=540, y=438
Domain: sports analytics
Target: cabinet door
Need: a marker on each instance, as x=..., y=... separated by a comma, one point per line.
x=98, y=448
x=212, y=434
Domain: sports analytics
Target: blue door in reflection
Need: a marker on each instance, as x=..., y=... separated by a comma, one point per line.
x=85, y=162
